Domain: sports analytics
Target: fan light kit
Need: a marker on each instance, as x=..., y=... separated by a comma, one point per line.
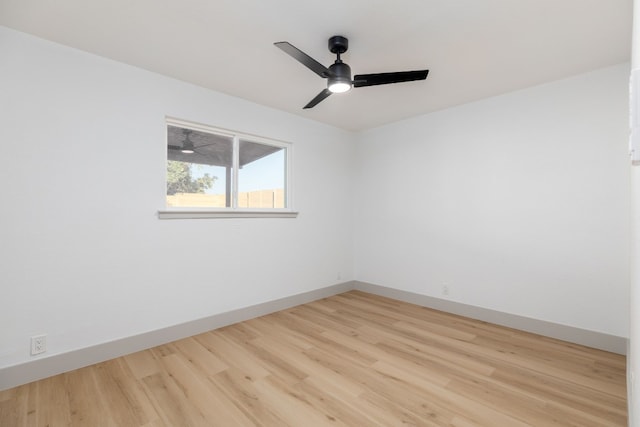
x=187, y=145
x=338, y=75
x=339, y=87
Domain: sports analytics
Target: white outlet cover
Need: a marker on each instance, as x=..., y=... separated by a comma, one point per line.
x=38, y=344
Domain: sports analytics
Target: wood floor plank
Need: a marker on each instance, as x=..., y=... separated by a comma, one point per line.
x=55, y=414
x=293, y=406
x=142, y=364
x=232, y=354
x=353, y=359
x=271, y=359
x=84, y=403
x=561, y=392
x=336, y=409
x=316, y=371
x=17, y=408
x=393, y=413
x=170, y=403
x=122, y=394
x=241, y=391
x=199, y=356
x=269, y=326
x=208, y=404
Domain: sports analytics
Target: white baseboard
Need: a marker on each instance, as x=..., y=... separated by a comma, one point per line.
x=13, y=376
x=44, y=367
x=611, y=343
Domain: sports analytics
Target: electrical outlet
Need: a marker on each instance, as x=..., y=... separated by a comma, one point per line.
x=445, y=290
x=38, y=344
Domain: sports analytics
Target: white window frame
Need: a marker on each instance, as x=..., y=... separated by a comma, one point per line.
x=234, y=211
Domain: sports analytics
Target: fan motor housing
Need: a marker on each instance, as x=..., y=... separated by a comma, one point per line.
x=341, y=71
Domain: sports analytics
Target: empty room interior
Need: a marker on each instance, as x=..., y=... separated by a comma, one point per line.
x=345, y=213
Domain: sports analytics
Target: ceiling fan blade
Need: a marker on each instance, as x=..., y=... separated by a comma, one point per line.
x=386, y=78
x=174, y=147
x=304, y=59
x=319, y=98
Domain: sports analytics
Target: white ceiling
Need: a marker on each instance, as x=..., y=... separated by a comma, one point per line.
x=473, y=48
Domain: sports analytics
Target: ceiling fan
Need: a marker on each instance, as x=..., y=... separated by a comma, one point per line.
x=339, y=73
x=187, y=146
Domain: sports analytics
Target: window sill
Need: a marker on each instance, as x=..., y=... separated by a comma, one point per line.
x=204, y=213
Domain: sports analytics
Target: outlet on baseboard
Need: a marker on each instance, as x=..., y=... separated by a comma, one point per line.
x=38, y=344
x=445, y=289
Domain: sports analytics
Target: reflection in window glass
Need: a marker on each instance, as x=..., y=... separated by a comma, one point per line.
x=216, y=168
x=199, y=168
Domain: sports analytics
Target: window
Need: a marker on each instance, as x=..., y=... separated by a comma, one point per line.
x=220, y=171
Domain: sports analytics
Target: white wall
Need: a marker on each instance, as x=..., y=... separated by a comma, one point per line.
x=519, y=203
x=84, y=257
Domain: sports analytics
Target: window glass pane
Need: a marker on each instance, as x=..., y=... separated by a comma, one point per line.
x=261, y=177
x=199, y=168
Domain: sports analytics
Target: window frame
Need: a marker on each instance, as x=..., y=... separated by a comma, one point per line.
x=233, y=211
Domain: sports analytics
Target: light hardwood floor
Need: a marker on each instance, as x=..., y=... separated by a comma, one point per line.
x=353, y=359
